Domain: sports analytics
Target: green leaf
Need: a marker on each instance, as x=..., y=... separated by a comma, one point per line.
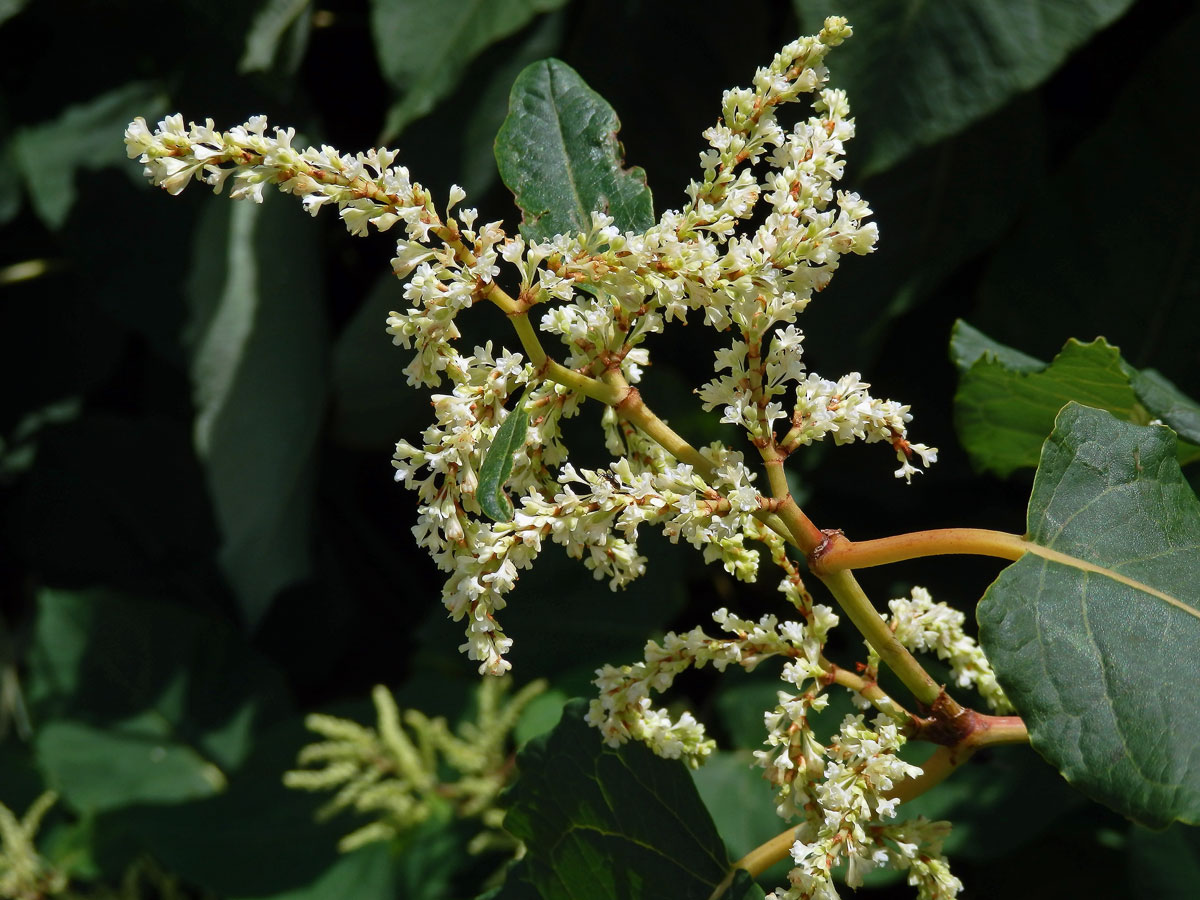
x=497, y=464
x=1167, y=402
x=918, y=71
x=258, y=367
x=365, y=874
x=255, y=839
x=9, y=8
x=742, y=804
x=602, y=822
x=1006, y=401
x=559, y=155
x=83, y=136
x=1095, y=632
x=136, y=762
x=143, y=700
x=424, y=49
x=1003, y=414
x=491, y=101
x=270, y=25
x=968, y=345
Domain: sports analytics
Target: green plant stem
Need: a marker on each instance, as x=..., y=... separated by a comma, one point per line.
x=993, y=731
x=840, y=553
x=846, y=589
x=859, y=609
x=759, y=859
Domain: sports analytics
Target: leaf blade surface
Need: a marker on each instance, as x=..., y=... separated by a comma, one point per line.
x=1095, y=641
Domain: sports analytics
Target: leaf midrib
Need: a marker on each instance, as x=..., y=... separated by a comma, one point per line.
x=1075, y=562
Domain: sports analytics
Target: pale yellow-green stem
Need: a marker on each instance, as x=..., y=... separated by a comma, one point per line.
x=859, y=609
x=841, y=553
x=849, y=594
x=759, y=859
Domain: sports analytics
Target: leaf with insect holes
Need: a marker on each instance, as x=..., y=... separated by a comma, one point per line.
x=497, y=464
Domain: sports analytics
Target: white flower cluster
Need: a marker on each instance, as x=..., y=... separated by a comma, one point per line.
x=367, y=190
x=843, y=823
x=605, y=292
x=924, y=626
x=624, y=712
x=756, y=284
x=595, y=515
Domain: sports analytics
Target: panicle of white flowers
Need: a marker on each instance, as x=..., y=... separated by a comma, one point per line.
x=605, y=292
x=395, y=772
x=924, y=626
x=366, y=189
x=845, y=824
x=623, y=711
x=24, y=873
x=694, y=259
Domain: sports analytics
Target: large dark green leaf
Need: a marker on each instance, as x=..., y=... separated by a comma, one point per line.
x=258, y=364
x=138, y=761
x=1006, y=401
x=559, y=155
x=424, y=48
x=85, y=136
x=919, y=71
x=141, y=701
x=1095, y=632
x=600, y=822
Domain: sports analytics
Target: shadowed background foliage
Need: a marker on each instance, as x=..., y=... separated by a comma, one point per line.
x=200, y=539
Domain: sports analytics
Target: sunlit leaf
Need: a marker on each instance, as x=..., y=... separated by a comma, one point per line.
x=559, y=155
x=1095, y=632
x=497, y=464
x=139, y=761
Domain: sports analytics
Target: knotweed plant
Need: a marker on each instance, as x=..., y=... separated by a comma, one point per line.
x=760, y=233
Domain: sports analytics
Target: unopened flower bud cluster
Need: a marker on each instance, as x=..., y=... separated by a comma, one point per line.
x=396, y=772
